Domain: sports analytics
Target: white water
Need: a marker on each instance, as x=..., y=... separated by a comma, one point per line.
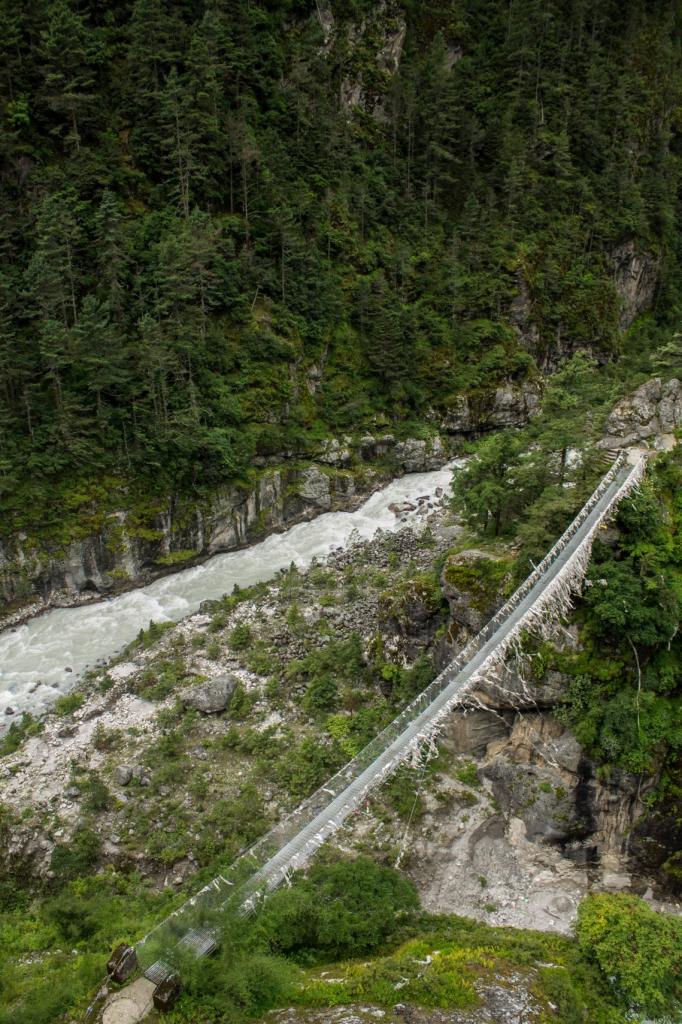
x=34, y=657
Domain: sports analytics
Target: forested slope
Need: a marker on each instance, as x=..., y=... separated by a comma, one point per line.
x=231, y=227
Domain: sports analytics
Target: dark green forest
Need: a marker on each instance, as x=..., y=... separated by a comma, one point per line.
x=209, y=253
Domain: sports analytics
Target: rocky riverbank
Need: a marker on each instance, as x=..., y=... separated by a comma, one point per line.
x=128, y=549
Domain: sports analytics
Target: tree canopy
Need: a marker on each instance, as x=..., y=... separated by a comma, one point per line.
x=211, y=251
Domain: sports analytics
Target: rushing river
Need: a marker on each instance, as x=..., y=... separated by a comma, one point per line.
x=34, y=658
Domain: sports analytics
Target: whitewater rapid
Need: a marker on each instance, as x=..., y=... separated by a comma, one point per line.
x=34, y=658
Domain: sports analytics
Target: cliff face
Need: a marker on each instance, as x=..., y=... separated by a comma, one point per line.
x=35, y=574
x=123, y=554
x=649, y=416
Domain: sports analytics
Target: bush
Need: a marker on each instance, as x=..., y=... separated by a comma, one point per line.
x=75, y=918
x=69, y=703
x=18, y=732
x=78, y=856
x=343, y=909
x=240, y=985
x=240, y=637
x=97, y=796
x=322, y=695
x=468, y=774
x=637, y=948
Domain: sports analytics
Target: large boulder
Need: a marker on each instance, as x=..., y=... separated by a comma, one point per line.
x=315, y=487
x=210, y=697
x=647, y=415
x=540, y=798
x=471, y=733
x=507, y=688
x=471, y=582
x=417, y=455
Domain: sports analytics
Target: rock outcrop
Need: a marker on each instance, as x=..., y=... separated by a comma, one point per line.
x=547, y=791
x=635, y=276
x=383, y=32
x=36, y=574
x=210, y=697
x=649, y=416
x=510, y=405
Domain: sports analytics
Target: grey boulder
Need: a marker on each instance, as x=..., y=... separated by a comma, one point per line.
x=123, y=773
x=210, y=697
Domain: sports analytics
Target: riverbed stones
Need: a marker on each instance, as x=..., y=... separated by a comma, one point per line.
x=210, y=697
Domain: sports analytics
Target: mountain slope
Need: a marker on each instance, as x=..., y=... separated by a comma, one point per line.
x=229, y=228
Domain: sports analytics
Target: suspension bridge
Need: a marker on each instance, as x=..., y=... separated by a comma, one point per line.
x=194, y=929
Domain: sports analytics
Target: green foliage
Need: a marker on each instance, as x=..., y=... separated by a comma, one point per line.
x=238, y=985
x=325, y=670
x=195, y=227
x=69, y=703
x=481, y=579
x=148, y=637
x=468, y=774
x=160, y=678
x=635, y=948
x=416, y=595
x=441, y=961
x=240, y=637
x=96, y=795
x=69, y=860
x=346, y=908
x=624, y=698
x=525, y=476
x=403, y=793
x=304, y=767
x=55, y=947
x=486, y=491
x=18, y=733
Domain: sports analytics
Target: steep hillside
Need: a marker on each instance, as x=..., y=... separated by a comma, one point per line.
x=232, y=228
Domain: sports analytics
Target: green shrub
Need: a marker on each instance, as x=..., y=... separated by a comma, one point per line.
x=77, y=857
x=417, y=595
x=18, y=733
x=105, y=739
x=96, y=795
x=259, y=659
x=238, y=985
x=635, y=947
x=303, y=768
x=322, y=695
x=69, y=703
x=240, y=637
x=148, y=637
x=213, y=650
x=160, y=679
x=468, y=774
x=75, y=918
x=343, y=909
x=403, y=793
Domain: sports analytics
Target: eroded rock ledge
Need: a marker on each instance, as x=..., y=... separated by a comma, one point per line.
x=36, y=575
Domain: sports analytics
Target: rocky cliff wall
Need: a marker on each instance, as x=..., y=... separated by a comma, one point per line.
x=556, y=808
x=37, y=574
